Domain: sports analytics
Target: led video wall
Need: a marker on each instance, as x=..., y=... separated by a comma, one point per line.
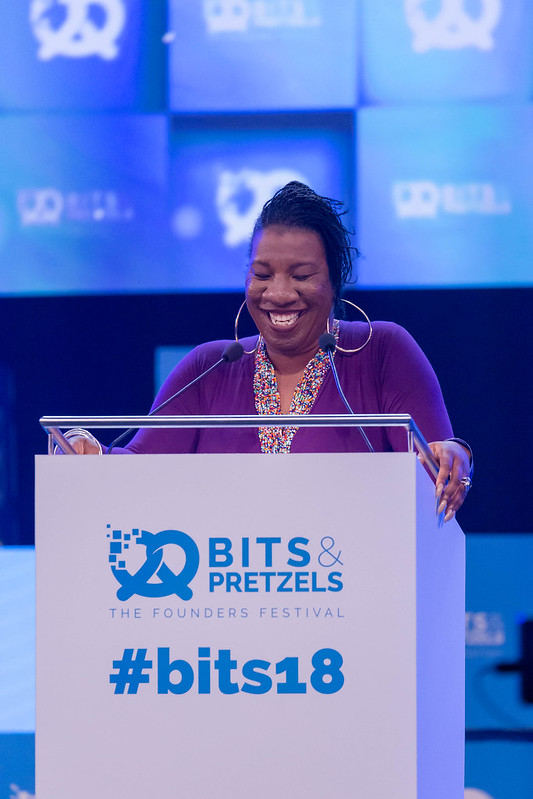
x=140, y=138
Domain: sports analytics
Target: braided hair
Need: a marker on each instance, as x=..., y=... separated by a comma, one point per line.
x=296, y=205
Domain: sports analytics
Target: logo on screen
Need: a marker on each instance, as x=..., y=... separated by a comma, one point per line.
x=424, y=199
x=484, y=629
x=50, y=206
x=238, y=16
x=453, y=27
x=77, y=28
x=241, y=195
x=40, y=206
x=167, y=565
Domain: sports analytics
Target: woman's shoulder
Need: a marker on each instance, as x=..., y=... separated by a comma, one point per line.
x=356, y=333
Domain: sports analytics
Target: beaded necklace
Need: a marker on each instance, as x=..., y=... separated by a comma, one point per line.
x=268, y=400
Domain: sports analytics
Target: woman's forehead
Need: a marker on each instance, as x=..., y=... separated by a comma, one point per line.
x=288, y=243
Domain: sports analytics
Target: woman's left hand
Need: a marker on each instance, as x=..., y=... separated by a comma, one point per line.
x=453, y=480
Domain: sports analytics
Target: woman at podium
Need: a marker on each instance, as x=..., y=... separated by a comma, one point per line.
x=300, y=258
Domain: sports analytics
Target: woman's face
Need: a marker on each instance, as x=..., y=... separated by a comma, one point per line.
x=288, y=290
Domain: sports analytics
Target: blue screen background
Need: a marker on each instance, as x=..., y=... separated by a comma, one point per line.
x=139, y=140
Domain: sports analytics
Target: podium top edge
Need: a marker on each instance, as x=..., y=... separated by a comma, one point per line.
x=278, y=420
x=52, y=425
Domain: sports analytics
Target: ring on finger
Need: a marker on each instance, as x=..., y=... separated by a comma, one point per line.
x=466, y=482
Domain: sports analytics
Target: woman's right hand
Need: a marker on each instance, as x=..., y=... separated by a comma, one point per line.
x=83, y=446
x=83, y=442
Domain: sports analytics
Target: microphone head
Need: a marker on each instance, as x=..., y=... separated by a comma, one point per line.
x=232, y=352
x=327, y=342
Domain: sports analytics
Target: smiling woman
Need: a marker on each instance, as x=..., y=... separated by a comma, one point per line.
x=290, y=297
x=300, y=258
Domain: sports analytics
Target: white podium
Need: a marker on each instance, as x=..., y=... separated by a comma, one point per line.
x=247, y=626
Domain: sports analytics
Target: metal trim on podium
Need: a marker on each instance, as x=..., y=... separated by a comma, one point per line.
x=53, y=425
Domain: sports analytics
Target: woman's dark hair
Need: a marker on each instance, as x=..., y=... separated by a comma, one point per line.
x=296, y=205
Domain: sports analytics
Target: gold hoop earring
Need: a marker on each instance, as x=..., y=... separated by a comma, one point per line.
x=358, y=349
x=259, y=340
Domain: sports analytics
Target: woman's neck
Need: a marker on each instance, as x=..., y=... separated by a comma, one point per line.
x=286, y=365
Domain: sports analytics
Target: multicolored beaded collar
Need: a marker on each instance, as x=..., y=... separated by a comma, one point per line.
x=268, y=401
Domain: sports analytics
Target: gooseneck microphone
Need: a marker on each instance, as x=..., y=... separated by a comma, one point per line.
x=231, y=353
x=327, y=343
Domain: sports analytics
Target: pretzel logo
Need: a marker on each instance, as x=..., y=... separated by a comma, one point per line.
x=224, y=16
x=68, y=28
x=154, y=578
x=40, y=206
x=241, y=196
x=453, y=28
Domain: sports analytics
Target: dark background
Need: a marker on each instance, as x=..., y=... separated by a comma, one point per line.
x=94, y=355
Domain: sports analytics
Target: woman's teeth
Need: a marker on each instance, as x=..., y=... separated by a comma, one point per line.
x=283, y=318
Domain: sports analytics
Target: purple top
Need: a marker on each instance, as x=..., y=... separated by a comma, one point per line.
x=390, y=375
